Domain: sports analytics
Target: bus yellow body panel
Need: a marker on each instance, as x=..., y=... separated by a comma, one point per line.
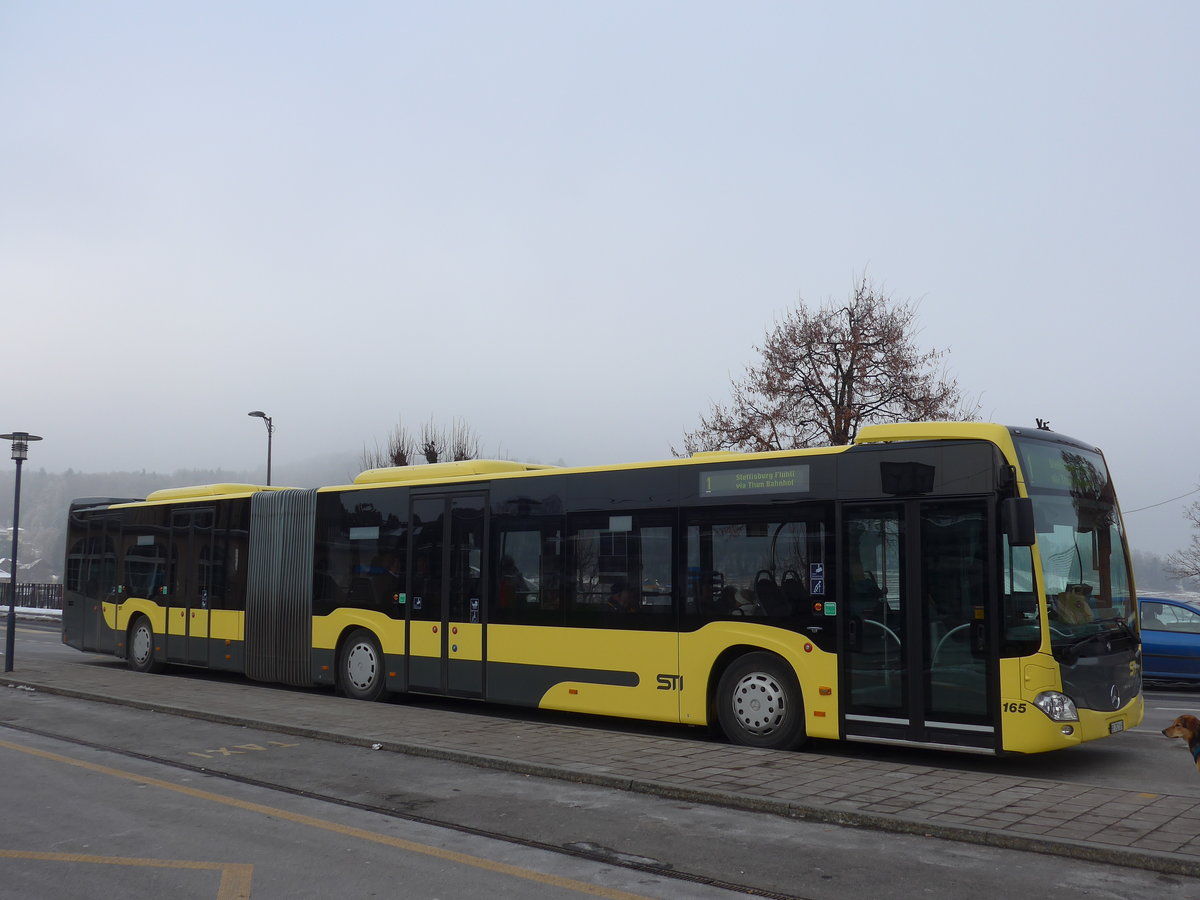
x=1026, y=729
x=425, y=639
x=816, y=670
x=328, y=630
x=227, y=624
x=110, y=612
x=134, y=606
x=465, y=641
x=187, y=622
x=639, y=657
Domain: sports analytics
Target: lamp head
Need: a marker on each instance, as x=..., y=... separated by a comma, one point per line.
x=20, y=443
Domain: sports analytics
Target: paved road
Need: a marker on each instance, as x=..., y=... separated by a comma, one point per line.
x=1124, y=823
x=135, y=828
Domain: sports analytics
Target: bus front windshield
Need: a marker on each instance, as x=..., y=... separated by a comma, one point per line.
x=1088, y=591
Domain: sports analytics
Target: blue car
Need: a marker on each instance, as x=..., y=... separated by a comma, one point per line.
x=1170, y=639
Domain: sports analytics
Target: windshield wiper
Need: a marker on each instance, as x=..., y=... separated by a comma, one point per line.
x=1123, y=625
x=1069, y=652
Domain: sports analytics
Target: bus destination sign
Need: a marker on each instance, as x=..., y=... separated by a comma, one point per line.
x=733, y=482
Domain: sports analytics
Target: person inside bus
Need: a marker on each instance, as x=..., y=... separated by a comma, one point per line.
x=867, y=598
x=621, y=598
x=745, y=603
x=727, y=600
x=387, y=580
x=513, y=587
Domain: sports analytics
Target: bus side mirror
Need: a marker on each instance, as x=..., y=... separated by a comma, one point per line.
x=1016, y=517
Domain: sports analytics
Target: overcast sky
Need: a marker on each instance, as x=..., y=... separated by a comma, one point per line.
x=568, y=224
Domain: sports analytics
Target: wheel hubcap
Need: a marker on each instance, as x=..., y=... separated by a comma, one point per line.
x=141, y=645
x=361, y=666
x=758, y=703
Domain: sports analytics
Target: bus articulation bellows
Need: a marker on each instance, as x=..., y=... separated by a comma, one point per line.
x=956, y=585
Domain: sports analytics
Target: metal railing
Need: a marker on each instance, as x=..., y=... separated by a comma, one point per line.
x=34, y=596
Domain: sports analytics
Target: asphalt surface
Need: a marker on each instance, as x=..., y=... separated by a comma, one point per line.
x=1154, y=831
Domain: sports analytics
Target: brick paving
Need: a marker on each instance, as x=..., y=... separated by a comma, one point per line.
x=1124, y=827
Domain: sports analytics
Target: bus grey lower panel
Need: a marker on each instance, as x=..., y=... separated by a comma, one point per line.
x=279, y=586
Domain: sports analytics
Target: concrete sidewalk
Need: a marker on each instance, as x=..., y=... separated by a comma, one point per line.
x=1145, y=830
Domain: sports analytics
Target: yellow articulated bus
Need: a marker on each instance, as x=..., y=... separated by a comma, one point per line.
x=956, y=585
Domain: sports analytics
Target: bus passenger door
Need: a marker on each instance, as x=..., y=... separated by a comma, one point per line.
x=918, y=653
x=188, y=578
x=446, y=642
x=91, y=582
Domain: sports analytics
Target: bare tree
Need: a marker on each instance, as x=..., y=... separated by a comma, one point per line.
x=433, y=442
x=462, y=442
x=825, y=373
x=372, y=458
x=399, y=450
x=1186, y=563
x=458, y=442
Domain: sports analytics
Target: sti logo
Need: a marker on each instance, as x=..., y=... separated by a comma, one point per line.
x=670, y=682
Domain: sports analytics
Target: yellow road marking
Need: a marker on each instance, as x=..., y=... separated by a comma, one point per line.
x=235, y=877
x=477, y=862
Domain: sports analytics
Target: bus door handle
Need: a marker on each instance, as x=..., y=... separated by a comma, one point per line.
x=854, y=633
x=978, y=637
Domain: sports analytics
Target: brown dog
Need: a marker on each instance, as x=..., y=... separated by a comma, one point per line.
x=1188, y=728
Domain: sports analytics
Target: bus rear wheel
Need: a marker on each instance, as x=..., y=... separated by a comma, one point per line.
x=140, y=649
x=759, y=703
x=361, y=674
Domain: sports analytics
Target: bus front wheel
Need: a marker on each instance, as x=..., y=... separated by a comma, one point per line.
x=361, y=674
x=759, y=703
x=140, y=650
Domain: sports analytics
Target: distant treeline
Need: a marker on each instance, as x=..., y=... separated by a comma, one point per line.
x=1150, y=575
x=46, y=497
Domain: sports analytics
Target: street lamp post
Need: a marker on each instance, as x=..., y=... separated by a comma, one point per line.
x=20, y=452
x=259, y=414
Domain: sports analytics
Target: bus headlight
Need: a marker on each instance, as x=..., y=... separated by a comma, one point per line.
x=1058, y=707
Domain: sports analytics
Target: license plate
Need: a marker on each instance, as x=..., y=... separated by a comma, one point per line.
x=1114, y=727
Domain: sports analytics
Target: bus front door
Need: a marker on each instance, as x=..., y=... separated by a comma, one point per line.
x=918, y=648
x=446, y=636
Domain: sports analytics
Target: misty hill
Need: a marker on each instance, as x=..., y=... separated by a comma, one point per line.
x=46, y=497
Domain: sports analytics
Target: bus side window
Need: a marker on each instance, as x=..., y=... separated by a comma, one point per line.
x=622, y=570
x=756, y=567
x=520, y=552
x=528, y=587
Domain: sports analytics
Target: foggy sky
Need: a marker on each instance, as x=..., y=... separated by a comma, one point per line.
x=568, y=224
